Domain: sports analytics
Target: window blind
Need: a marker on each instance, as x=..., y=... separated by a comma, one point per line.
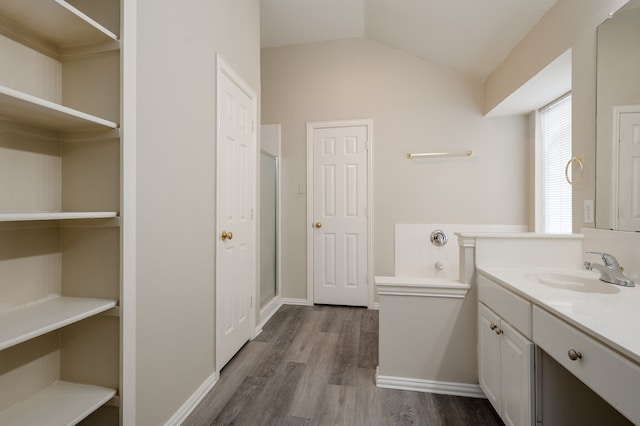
x=555, y=121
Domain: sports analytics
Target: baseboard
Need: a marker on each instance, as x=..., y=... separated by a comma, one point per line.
x=430, y=386
x=190, y=404
x=268, y=311
x=289, y=301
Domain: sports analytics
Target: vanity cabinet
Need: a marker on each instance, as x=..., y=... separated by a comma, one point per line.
x=505, y=354
x=612, y=376
x=60, y=222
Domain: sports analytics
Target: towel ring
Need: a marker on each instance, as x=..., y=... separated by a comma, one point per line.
x=578, y=160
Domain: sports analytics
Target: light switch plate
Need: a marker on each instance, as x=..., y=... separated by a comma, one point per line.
x=588, y=211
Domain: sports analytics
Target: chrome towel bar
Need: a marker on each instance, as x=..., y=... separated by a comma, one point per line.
x=440, y=154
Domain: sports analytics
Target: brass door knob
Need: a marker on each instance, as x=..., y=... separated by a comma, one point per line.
x=318, y=225
x=226, y=235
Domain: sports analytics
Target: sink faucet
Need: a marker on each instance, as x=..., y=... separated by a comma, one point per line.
x=611, y=271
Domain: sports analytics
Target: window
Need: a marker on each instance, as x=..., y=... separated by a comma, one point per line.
x=555, y=137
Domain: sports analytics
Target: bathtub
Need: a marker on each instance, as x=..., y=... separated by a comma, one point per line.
x=428, y=317
x=427, y=339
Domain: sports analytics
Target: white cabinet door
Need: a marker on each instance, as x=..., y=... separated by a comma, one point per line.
x=489, y=355
x=505, y=368
x=516, y=359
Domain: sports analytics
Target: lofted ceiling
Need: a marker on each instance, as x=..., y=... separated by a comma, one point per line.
x=472, y=36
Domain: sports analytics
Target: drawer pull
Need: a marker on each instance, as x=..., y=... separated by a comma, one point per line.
x=495, y=328
x=574, y=355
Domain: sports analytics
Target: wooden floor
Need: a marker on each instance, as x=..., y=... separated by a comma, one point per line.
x=316, y=366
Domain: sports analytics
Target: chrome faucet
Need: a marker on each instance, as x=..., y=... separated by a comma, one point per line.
x=611, y=271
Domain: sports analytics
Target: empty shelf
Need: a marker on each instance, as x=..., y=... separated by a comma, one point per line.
x=41, y=113
x=33, y=320
x=56, y=22
x=62, y=403
x=19, y=217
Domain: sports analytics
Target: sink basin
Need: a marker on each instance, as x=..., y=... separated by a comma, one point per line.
x=577, y=282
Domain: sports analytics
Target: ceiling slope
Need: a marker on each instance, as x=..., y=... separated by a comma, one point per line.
x=471, y=36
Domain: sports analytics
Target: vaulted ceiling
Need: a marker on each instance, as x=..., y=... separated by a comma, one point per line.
x=472, y=36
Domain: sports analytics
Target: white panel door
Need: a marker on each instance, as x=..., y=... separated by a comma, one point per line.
x=340, y=215
x=629, y=172
x=235, y=260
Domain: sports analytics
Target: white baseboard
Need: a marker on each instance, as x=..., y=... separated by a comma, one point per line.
x=268, y=311
x=289, y=301
x=193, y=401
x=430, y=386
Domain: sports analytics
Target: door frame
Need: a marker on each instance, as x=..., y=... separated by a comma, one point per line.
x=311, y=127
x=617, y=112
x=222, y=67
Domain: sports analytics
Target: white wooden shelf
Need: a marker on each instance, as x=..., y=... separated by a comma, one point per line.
x=41, y=113
x=55, y=21
x=33, y=320
x=62, y=403
x=33, y=216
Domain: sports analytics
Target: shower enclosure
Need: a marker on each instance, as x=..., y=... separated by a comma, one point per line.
x=268, y=226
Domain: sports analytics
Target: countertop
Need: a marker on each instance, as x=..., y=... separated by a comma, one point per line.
x=611, y=316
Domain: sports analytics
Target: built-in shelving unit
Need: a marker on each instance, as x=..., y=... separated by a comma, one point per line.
x=33, y=216
x=36, y=319
x=62, y=403
x=31, y=110
x=60, y=257
x=55, y=21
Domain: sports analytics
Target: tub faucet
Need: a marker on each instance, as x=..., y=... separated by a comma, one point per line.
x=611, y=271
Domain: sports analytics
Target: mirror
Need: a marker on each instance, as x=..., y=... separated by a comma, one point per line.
x=618, y=121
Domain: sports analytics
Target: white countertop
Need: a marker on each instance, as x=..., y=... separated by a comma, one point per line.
x=613, y=318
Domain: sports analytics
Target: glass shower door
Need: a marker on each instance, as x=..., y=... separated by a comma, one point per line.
x=268, y=226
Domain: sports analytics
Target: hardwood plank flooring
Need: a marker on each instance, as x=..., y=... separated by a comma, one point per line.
x=316, y=366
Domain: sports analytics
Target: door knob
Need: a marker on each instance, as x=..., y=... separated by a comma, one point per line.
x=226, y=235
x=318, y=225
x=574, y=355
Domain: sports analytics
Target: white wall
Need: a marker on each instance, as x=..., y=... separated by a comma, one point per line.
x=416, y=106
x=177, y=44
x=568, y=24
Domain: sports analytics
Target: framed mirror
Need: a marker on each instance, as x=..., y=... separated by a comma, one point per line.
x=618, y=121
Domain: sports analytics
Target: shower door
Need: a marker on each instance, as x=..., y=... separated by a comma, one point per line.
x=268, y=226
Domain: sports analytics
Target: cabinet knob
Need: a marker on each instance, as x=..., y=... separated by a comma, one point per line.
x=318, y=225
x=499, y=331
x=574, y=355
x=226, y=235
x=492, y=326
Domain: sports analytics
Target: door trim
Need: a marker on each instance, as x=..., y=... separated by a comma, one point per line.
x=311, y=127
x=222, y=67
x=617, y=112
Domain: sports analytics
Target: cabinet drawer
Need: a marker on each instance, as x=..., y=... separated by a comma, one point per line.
x=613, y=377
x=511, y=307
